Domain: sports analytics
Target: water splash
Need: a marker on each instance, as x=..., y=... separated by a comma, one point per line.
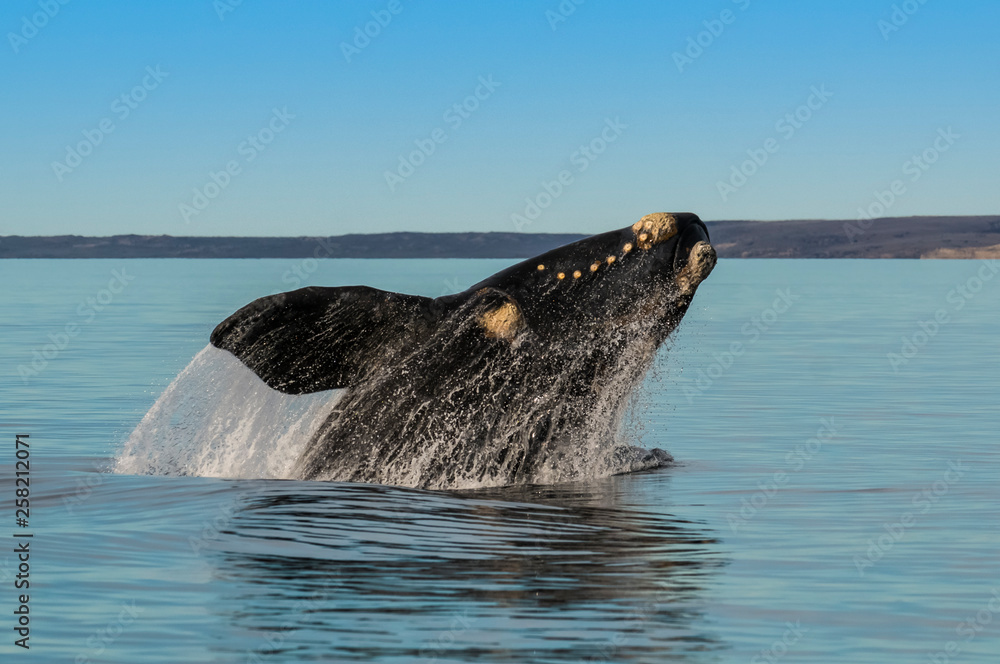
x=490, y=414
x=218, y=419
x=482, y=420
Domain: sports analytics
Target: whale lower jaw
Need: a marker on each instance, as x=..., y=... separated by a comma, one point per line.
x=700, y=263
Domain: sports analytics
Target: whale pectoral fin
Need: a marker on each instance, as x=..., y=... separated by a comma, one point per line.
x=315, y=339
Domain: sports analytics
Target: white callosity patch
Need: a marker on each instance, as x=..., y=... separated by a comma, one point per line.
x=654, y=229
x=700, y=263
x=218, y=419
x=504, y=322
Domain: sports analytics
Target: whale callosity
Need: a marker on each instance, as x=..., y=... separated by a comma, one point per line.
x=503, y=322
x=648, y=232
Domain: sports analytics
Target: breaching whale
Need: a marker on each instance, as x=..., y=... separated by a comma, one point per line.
x=522, y=378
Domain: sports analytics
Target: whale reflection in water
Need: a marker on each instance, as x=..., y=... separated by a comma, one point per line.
x=557, y=573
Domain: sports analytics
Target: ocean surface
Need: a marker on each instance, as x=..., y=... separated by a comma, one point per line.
x=836, y=498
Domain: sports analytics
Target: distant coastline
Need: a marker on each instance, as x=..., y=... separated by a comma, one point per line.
x=891, y=237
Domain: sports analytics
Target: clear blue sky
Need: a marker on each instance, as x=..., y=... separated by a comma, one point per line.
x=678, y=127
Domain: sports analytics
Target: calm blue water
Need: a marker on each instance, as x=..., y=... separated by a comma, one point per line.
x=829, y=506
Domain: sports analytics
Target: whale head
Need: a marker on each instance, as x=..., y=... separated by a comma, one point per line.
x=645, y=274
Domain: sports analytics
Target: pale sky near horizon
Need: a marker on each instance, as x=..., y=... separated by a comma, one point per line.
x=273, y=118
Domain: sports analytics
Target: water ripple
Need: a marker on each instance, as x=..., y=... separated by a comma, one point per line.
x=573, y=574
